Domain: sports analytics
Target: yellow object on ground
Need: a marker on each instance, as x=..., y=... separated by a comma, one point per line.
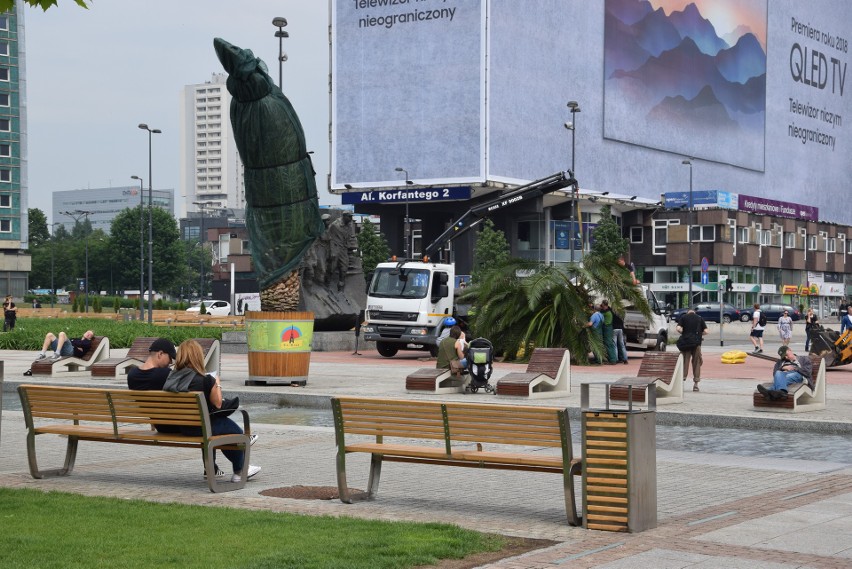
x=734, y=357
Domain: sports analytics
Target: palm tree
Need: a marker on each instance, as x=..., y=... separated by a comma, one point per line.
x=523, y=304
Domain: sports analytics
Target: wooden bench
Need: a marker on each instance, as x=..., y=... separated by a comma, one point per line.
x=124, y=416
x=548, y=375
x=665, y=369
x=435, y=380
x=800, y=396
x=24, y=312
x=136, y=356
x=458, y=432
x=98, y=352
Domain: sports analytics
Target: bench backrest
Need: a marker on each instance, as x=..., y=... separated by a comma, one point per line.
x=452, y=422
x=658, y=364
x=139, y=348
x=96, y=341
x=546, y=361
x=116, y=406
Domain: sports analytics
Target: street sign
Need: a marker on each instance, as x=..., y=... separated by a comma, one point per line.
x=705, y=265
x=705, y=278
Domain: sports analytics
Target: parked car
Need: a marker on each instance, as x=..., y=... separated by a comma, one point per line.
x=772, y=311
x=212, y=307
x=709, y=311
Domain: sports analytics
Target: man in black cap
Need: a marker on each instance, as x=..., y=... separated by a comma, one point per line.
x=152, y=374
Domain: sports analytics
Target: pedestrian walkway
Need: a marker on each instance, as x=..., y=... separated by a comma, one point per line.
x=714, y=509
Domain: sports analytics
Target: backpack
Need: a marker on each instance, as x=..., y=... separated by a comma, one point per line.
x=761, y=320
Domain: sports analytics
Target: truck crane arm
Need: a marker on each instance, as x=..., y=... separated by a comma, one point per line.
x=476, y=214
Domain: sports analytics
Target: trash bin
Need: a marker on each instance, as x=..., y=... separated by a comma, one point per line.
x=619, y=461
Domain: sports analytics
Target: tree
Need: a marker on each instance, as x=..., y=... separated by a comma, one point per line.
x=491, y=250
x=374, y=248
x=37, y=227
x=7, y=5
x=608, y=244
x=523, y=304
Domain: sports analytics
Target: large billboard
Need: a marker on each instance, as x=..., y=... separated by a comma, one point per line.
x=753, y=91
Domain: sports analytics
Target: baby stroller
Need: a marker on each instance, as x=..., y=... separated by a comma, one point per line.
x=480, y=356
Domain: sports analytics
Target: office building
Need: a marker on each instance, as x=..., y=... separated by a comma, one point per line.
x=210, y=168
x=105, y=203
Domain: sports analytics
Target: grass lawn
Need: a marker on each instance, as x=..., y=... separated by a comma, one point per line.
x=58, y=530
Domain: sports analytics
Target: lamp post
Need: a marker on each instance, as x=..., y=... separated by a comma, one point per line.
x=409, y=238
x=151, y=132
x=52, y=255
x=280, y=23
x=572, y=126
x=201, y=206
x=689, y=229
x=77, y=215
x=141, y=245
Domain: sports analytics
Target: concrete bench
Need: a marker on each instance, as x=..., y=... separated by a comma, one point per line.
x=548, y=374
x=434, y=380
x=455, y=435
x=665, y=369
x=801, y=397
x=98, y=352
x=112, y=367
x=123, y=416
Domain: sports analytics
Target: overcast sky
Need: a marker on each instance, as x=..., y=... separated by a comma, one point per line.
x=94, y=75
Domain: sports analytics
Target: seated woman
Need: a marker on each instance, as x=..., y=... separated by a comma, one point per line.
x=189, y=375
x=452, y=349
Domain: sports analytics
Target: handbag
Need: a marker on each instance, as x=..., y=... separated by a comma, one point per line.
x=228, y=406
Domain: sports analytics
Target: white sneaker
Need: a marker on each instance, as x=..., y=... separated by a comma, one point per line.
x=55, y=357
x=41, y=357
x=252, y=439
x=252, y=472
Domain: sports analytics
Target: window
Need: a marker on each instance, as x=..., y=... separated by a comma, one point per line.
x=4, y=73
x=4, y=23
x=849, y=246
x=5, y=226
x=5, y=150
x=742, y=235
x=812, y=242
x=732, y=230
x=637, y=234
x=765, y=236
x=831, y=245
x=5, y=175
x=4, y=48
x=703, y=233
x=790, y=240
x=661, y=235
x=5, y=125
x=5, y=200
x=4, y=99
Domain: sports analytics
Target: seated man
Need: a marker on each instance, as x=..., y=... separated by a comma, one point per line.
x=788, y=370
x=63, y=347
x=452, y=349
x=152, y=374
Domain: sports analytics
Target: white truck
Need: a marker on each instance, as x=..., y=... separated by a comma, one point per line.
x=407, y=301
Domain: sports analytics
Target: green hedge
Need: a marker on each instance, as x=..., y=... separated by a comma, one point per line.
x=29, y=333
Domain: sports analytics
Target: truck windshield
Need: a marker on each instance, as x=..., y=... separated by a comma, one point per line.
x=395, y=283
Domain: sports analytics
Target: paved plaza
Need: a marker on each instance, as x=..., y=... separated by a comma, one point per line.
x=716, y=508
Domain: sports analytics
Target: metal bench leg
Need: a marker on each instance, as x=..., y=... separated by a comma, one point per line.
x=375, y=474
x=70, y=458
x=342, y=487
x=570, y=501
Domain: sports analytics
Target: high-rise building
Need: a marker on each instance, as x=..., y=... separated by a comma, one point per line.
x=103, y=204
x=15, y=264
x=211, y=169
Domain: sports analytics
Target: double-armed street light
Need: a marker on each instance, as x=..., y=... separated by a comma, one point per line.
x=689, y=229
x=280, y=23
x=151, y=131
x=409, y=238
x=572, y=126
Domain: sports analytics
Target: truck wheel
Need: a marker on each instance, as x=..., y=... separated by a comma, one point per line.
x=386, y=350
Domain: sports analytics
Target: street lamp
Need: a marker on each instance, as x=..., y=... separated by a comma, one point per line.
x=52, y=255
x=280, y=23
x=77, y=215
x=572, y=126
x=201, y=206
x=144, y=126
x=409, y=238
x=141, y=245
x=689, y=229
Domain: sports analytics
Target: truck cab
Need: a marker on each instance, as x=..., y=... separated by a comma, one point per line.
x=643, y=333
x=407, y=303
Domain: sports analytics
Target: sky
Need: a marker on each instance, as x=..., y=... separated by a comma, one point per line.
x=94, y=75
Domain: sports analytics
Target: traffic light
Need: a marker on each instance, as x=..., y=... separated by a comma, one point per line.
x=729, y=285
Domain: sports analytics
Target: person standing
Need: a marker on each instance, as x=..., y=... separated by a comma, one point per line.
x=608, y=339
x=692, y=328
x=842, y=309
x=596, y=324
x=811, y=323
x=846, y=321
x=10, y=313
x=757, y=328
x=785, y=328
x=618, y=337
